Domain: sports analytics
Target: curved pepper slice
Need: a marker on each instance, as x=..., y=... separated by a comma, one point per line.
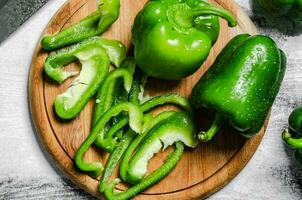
x=177, y=127
x=123, y=144
x=105, y=94
x=92, y=25
x=106, y=97
x=132, y=147
x=95, y=55
x=242, y=84
x=135, y=123
x=103, y=104
x=173, y=38
x=118, y=152
x=150, y=104
x=150, y=180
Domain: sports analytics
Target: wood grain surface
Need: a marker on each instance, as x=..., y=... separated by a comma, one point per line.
x=201, y=171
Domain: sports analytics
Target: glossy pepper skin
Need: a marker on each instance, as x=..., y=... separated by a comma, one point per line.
x=92, y=25
x=172, y=38
x=241, y=85
x=283, y=14
x=293, y=135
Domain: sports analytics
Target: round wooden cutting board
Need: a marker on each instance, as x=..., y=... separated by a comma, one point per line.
x=201, y=171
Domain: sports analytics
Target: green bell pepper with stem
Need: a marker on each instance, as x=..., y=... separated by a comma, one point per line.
x=172, y=38
x=242, y=84
x=293, y=135
x=135, y=123
x=92, y=25
x=95, y=55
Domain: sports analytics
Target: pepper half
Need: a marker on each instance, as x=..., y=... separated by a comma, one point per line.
x=95, y=55
x=172, y=38
x=242, y=84
x=92, y=25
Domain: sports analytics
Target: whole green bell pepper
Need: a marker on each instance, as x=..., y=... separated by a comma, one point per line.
x=242, y=84
x=285, y=15
x=172, y=38
x=92, y=25
x=293, y=136
x=95, y=55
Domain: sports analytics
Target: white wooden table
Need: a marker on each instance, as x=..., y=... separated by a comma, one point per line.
x=26, y=173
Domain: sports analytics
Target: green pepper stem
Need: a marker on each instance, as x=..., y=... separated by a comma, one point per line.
x=293, y=142
x=216, y=125
x=213, y=10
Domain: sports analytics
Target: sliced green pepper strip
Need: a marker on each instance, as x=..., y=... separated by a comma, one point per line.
x=152, y=103
x=135, y=122
x=106, y=97
x=128, y=154
x=95, y=65
x=116, y=155
x=150, y=180
x=114, y=158
x=178, y=127
x=94, y=55
x=92, y=25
